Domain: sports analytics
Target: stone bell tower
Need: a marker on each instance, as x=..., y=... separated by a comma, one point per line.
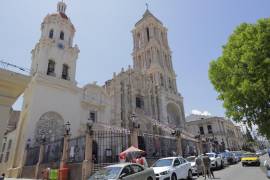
x=51, y=98
x=151, y=52
x=54, y=55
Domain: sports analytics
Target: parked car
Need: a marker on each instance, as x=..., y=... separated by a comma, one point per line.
x=231, y=159
x=192, y=159
x=216, y=161
x=125, y=171
x=238, y=155
x=223, y=158
x=250, y=159
x=172, y=168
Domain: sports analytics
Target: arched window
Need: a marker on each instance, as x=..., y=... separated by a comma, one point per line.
x=62, y=35
x=139, y=102
x=148, y=34
x=161, y=80
x=51, y=34
x=65, y=72
x=51, y=67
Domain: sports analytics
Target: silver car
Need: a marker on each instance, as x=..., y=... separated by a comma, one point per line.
x=125, y=171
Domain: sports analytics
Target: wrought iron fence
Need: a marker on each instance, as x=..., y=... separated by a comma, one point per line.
x=108, y=144
x=189, y=148
x=76, y=149
x=32, y=156
x=157, y=146
x=53, y=151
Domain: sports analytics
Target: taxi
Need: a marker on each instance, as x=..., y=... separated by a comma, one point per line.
x=250, y=159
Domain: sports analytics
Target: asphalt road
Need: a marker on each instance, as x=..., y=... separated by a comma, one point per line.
x=237, y=172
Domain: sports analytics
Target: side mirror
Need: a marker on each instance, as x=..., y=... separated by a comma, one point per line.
x=122, y=175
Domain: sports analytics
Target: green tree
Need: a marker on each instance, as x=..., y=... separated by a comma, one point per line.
x=241, y=75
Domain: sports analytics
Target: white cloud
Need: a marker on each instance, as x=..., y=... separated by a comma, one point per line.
x=197, y=112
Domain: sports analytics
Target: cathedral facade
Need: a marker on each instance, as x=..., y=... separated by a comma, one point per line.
x=148, y=89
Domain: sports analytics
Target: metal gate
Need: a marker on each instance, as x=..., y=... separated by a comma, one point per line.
x=157, y=146
x=76, y=149
x=108, y=144
x=32, y=156
x=53, y=151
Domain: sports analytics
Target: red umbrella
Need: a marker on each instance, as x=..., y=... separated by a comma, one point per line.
x=132, y=151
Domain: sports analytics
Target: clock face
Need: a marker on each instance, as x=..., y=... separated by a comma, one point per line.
x=60, y=46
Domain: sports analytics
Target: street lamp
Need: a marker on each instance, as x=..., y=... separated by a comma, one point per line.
x=177, y=132
x=89, y=126
x=134, y=123
x=67, y=128
x=43, y=138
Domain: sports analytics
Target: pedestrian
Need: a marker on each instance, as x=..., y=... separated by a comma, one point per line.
x=207, y=166
x=199, y=165
x=269, y=152
x=2, y=177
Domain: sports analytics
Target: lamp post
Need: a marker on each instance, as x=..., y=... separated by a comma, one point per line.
x=87, y=163
x=65, y=146
x=67, y=128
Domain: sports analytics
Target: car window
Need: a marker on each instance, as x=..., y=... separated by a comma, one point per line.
x=176, y=162
x=137, y=168
x=127, y=171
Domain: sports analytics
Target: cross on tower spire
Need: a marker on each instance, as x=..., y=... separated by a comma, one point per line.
x=147, y=6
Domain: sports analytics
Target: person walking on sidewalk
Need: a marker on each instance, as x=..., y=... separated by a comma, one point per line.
x=207, y=166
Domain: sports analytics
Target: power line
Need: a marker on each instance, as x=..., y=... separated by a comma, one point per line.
x=5, y=65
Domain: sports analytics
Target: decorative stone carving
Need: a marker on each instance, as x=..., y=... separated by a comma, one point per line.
x=50, y=124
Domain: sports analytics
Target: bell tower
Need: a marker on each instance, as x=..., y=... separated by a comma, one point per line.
x=54, y=55
x=151, y=52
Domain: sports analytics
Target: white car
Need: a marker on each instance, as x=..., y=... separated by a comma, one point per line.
x=172, y=168
x=125, y=171
x=192, y=160
x=216, y=161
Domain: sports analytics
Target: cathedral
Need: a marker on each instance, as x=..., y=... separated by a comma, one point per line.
x=147, y=90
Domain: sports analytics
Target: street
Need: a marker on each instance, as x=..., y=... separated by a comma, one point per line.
x=237, y=172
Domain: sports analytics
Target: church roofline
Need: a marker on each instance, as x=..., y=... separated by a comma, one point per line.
x=146, y=14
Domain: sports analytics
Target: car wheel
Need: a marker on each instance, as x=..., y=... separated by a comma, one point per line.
x=258, y=164
x=174, y=177
x=222, y=165
x=149, y=178
x=190, y=176
x=243, y=165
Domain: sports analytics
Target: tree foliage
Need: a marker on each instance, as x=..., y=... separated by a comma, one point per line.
x=241, y=75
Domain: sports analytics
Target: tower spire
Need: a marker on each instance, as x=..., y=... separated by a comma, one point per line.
x=61, y=7
x=147, y=6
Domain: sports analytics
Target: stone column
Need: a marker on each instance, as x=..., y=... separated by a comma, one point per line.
x=179, y=145
x=40, y=159
x=65, y=150
x=134, y=137
x=87, y=165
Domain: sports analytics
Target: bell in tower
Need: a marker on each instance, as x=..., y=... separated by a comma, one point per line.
x=55, y=55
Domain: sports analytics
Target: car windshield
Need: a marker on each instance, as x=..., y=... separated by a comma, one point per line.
x=106, y=173
x=211, y=155
x=190, y=159
x=250, y=155
x=163, y=163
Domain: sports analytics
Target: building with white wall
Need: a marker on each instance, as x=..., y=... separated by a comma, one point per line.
x=53, y=98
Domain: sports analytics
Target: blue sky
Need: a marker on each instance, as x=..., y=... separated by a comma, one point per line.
x=196, y=31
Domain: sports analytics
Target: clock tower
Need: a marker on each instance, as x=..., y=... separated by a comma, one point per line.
x=52, y=97
x=54, y=55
